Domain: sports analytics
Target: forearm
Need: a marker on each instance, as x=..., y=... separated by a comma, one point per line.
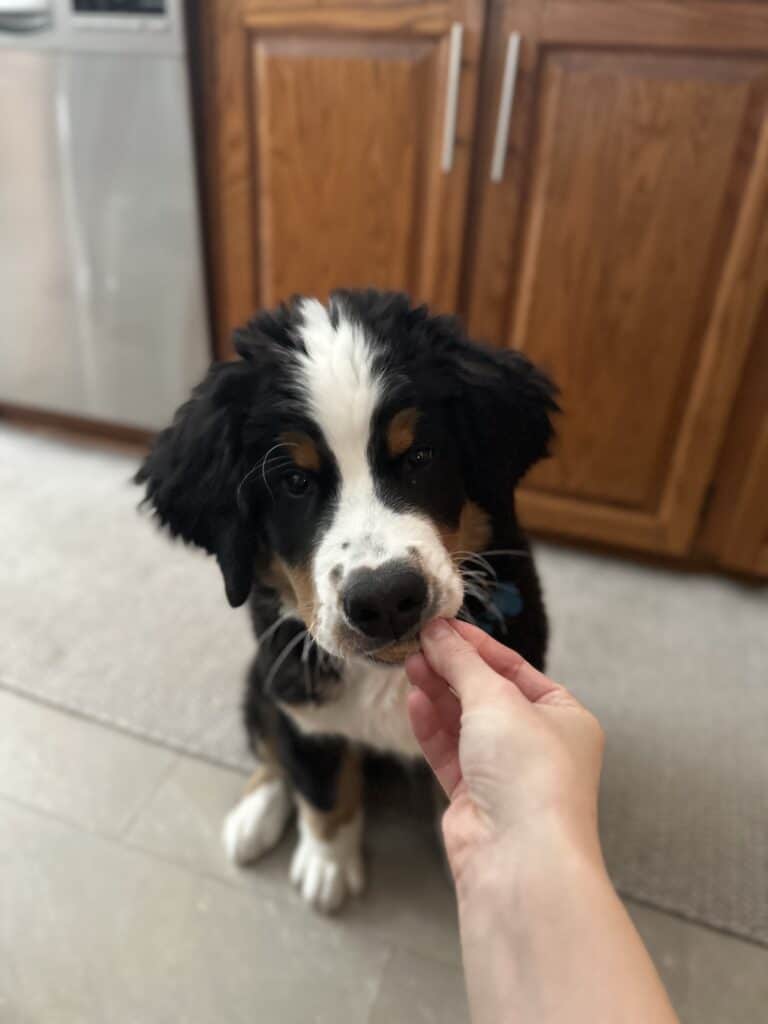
x=552, y=944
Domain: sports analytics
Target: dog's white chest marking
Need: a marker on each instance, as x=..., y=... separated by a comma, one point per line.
x=369, y=706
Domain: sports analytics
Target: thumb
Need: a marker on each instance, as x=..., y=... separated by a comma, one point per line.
x=459, y=664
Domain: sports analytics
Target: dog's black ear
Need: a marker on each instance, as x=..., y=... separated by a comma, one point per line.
x=193, y=471
x=507, y=406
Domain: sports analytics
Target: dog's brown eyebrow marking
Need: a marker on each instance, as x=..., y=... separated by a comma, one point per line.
x=401, y=431
x=472, y=533
x=302, y=449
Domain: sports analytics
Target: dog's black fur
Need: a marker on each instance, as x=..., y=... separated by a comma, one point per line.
x=487, y=419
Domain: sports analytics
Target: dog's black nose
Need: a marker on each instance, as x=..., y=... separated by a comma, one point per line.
x=386, y=602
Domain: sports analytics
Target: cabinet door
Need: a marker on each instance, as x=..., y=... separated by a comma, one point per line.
x=625, y=247
x=338, y=145
x=735, y=532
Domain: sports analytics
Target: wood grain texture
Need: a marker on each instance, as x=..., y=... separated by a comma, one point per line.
x=671, y=24
x=735, y=531
x=621, y=227
x=724, y=349
x=340, y=160
x=324, y=132
x=623, y=252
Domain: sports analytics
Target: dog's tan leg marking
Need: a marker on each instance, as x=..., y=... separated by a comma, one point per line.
x=327, y=863
x=349, y=794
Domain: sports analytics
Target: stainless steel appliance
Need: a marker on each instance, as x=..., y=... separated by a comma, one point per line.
x=102, y=304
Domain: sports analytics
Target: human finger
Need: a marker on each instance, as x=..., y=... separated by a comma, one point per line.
x=440, y=748
x=435, y=687
x=507, y=662
x=456, y=661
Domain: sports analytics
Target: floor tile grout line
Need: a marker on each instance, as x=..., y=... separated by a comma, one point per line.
x=257, y=888
x=123, y=729
x=391, y=950
x=681, y=914
x=60, y=819
x=147, y=798
x=19, y=691
x=117, y=841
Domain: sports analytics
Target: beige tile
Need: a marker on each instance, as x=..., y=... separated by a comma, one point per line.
x=409, y=899
x=418, y=990
x=183, y=819
x=74, y=769
x=712, y=978
x=91, y=932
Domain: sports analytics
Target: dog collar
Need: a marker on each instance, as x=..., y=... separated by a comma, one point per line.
x=507, y=603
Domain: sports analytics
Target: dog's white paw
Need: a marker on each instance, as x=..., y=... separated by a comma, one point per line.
x=327, y=870
x=257, y=822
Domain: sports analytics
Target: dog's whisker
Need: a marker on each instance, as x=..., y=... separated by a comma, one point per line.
x=270, y=630
x=261, y=465
x=305, y=662
x=277, y=663
x=477, y=576
x=467, y=616
x=477, y=559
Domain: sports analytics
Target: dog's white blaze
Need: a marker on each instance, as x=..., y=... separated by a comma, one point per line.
x=344, y=391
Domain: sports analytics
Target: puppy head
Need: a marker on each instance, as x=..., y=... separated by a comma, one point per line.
x=348, y=459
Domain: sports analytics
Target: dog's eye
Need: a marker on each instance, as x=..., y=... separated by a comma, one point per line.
x=418, y=458
x=296, y=483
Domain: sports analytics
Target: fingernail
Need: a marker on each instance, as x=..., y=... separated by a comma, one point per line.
x=437, y=629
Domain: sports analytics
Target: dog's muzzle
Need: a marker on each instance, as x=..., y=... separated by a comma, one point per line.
x=386, y=604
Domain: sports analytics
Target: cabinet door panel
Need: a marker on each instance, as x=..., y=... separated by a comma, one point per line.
x=625, y=243
x=324, y=139
x=631, y=229
x=340, y=160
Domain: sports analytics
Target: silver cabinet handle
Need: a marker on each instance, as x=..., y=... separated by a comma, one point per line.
x=25, y=15
x=452, y=96
x=506, y=102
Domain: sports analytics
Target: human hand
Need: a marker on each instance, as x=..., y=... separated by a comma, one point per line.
x=517, y=755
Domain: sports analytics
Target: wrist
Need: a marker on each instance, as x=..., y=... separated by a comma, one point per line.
x=527, y=864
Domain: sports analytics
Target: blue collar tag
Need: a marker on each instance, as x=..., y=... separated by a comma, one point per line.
x=507, y=603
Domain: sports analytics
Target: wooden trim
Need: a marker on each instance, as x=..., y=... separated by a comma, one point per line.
x=668, y=24
x=692, y=562
x=430, y=19
x=735, y=530
x=75, y=426
x=493, y=256
x=726, y=344
x=602, y=523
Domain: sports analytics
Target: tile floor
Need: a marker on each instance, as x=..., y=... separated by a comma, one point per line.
x=117, y=905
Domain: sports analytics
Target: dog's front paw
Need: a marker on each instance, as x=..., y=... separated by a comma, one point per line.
x=257, y=822
x=327, y=870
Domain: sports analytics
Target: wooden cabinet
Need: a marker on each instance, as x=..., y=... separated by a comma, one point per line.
x=626, y=249
x=585, y=180
x=735, y=531
x=338, y=145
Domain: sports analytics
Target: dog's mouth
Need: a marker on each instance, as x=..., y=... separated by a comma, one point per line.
x=396, y=653
x=347, y=643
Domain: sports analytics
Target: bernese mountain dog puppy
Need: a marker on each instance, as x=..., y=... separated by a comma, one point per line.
x=353, y=474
